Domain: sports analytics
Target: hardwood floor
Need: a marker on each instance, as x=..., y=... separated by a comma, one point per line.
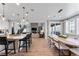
x=39, y=47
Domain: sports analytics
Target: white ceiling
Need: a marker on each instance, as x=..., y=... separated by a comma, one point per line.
x=42, y=11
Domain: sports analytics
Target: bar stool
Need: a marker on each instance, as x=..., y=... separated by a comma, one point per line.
x=6, y=43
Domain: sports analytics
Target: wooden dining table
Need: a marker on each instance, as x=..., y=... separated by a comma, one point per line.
x=14, y=37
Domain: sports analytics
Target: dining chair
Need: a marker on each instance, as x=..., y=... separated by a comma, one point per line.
x=4, y=41
x=27, y=41
x=23, y=43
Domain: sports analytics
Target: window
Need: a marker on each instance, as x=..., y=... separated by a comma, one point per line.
x=56, y=28
x=70, y=26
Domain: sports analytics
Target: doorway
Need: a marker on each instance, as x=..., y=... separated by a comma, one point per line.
x=38, y=30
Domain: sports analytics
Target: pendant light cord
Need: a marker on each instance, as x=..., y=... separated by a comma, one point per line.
x=3, y=9
x=23, y=12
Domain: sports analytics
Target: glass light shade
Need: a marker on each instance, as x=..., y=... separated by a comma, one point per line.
x=26, y=14
x=3, y=18
x=17, y=23
x=27, y=22
x=23, y=20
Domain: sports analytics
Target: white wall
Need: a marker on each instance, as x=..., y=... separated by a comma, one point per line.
x=3, y=25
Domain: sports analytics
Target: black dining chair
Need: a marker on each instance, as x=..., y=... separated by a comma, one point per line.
x=26, y=42
x=23, y=43
x=6, y=43
x=29, y=40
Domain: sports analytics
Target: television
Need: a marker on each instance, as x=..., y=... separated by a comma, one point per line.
x=34, y=30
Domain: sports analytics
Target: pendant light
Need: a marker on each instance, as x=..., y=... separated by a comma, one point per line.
x=23, y=14
x=3, y=16
x=26, y=13
x=18, y=19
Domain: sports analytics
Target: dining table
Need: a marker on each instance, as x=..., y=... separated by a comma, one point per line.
x=14, y=37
